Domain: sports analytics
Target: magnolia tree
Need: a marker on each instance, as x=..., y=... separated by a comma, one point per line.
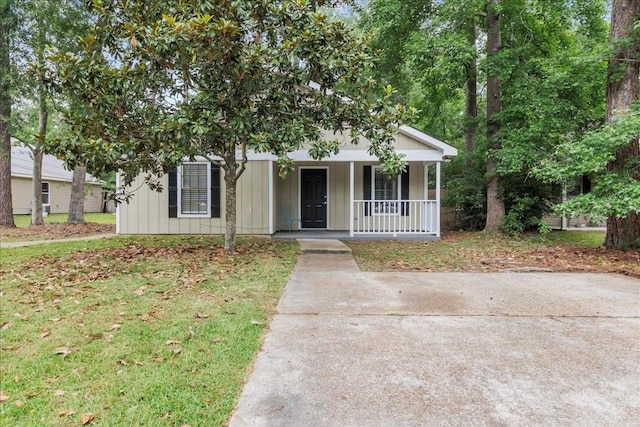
x=158, y=81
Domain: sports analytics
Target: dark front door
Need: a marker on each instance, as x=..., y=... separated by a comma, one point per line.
x=313, y=196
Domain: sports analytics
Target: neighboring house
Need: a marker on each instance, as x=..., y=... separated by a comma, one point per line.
x=582, y=185
x=56, y=185
x=344, y=192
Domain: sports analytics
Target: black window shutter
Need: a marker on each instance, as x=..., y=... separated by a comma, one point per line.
x=215, y=191
x=366, y=181
x=173, y=193
x=404, y=190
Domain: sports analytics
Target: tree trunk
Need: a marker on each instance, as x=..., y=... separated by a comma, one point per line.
x=230, y=170
x=471, y=97
x=36, y=187
x=76, y=204
x=6, y=204
x=495, y=205
x=37, y=150
x=622, y=91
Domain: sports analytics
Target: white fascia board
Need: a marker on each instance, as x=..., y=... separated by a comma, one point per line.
x=349, y=156
x=447, y=150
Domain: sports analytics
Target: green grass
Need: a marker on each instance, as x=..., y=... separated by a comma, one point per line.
x=159, y=330
x=591, y=239
x=101, y=218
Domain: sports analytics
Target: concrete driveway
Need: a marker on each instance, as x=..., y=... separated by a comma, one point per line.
x=348, y=348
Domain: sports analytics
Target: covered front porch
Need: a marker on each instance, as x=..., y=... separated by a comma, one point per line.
x=355, y=199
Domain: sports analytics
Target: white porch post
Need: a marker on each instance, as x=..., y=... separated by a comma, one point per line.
x=351, y=196
x=438, y=199
x=271, y=199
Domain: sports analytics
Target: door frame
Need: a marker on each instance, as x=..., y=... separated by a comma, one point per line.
x=300, y=168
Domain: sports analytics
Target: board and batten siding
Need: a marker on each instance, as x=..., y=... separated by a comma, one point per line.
x=59, y=196
x=148, y=211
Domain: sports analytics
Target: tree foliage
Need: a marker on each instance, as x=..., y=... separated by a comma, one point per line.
x=159, y=81
x=552, y=69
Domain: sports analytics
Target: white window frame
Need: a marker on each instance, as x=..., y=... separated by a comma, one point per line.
x=194, y=215
x=48, y=193
x=384, y=207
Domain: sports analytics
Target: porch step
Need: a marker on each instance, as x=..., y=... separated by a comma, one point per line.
x=323, y=246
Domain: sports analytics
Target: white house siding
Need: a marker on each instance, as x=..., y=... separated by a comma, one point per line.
x=59, y=196
x=148, y=211
x=403, y=142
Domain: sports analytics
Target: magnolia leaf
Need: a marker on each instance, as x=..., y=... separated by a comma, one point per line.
x=173, y=342
x=87, y=418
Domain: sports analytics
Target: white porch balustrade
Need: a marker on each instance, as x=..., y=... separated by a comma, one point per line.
x=395, y=217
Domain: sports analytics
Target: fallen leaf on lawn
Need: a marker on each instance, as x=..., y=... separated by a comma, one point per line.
x=173, y=342
x=137, y=363
x=191, y=333
x=87, y=418
x=217, y=339
x=107, y=336
x=115, y=327
x=177, y=350
x=201, y=316
x=55, y=319
x=256, y=322
x=121, y=362
x=3, y=397
x=59, y=393
x=6, y=325
x=63, y=351
x=19, y=403
x=45, y=334
x=66, y=413
x=140, y=290
x=185, y=425
x=18, y=315
x=158, y=359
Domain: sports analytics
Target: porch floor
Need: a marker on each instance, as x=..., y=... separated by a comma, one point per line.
x=344, y=235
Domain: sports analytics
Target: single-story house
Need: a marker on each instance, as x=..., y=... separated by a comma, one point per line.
x=345, y=192
x=581, y=185
x=56, y=185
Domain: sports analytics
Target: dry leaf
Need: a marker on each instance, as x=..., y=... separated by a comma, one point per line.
x=173, y=342
x=66, y=413
x=6, y=325
x=59, y=393
x=177, y=350
x=55, y=319
x=87, y=418
x=64, y=351
x=45, y=334
x=140, y=290
x=137, y=363
x=191, y=333
x=201, y=316
x=217, y=339
x=121, y=362
x=3, y=397
x=107, y=336
x=19, y=403
x=255, y=322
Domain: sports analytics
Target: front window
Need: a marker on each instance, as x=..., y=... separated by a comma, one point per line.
x=194, y=187
x=385, y=188
x=45, y=193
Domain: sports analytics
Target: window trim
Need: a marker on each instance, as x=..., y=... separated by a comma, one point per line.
x=378, y=203
x=48, y=192
x=207, y=214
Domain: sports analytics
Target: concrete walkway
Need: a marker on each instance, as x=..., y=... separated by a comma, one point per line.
x=348, y=348
x=44, y=242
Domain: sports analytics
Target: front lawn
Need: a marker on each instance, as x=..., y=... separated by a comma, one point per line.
x=99, y=218
x=133, y=331
x=578, y=251
x=55, y=227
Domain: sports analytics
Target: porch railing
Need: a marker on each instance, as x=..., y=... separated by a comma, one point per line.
x=395, y=217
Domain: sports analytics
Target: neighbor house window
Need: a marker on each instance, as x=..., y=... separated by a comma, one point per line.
x=45, y=193
x=386, y=192
x=194, y=184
